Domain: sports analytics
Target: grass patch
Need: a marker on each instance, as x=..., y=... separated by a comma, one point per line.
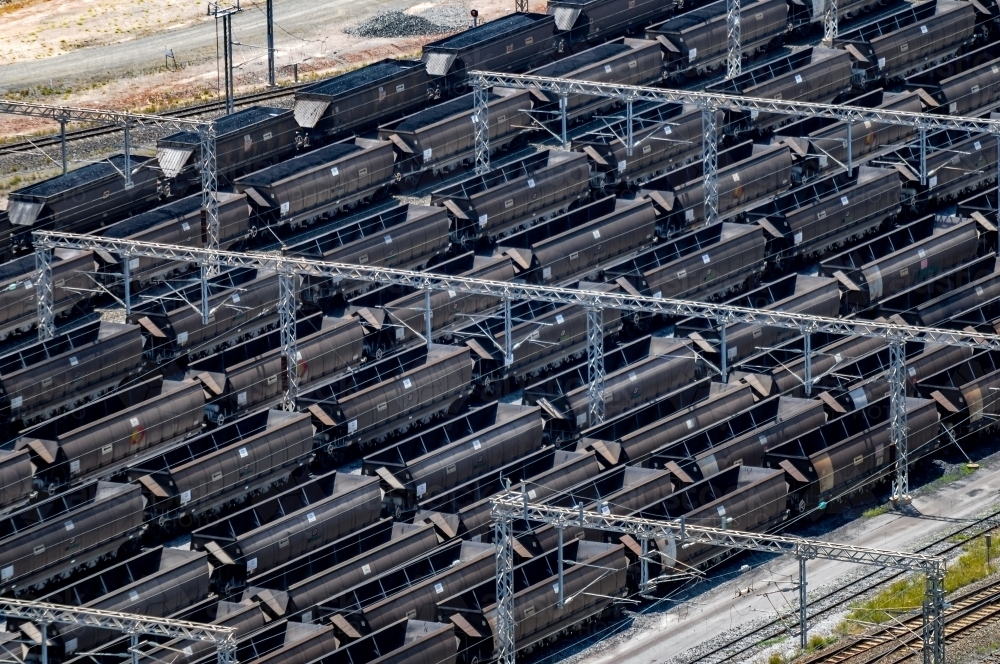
x=959, y=473
x=818, y=642
x=907, y=595
x=873, y=512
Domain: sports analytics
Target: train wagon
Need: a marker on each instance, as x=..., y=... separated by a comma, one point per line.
x=544, y=337
x=358, y=99
x=320, y=183
x=847, y=453
x=955, y=163
x=157, y=583
x=177, y=222
x=412, y=589
x=622, y=61
x=240, y=304
x=510, y=43
x=748, y=176
x=748, y=499
x=253, y=374
x=593, y=583
x=385, y=398
x=695, y=42
x=640, y=442
x=516, y=195
x=81, y=200
x=967, y=85
x=929, y=359
x=392, y=319
x=441, y=138
x=814, y=74
x=99, y=438
x=965, y=393
x=244, y=141
x=741, y=440
x=576, y=245
x=894, y=46
x=886, y=265
x=406, y=236
x=438, y=459
x=969, y=306
x=60, y=373
x=818, y=218
x=707, y=263
x=544, y=473
x=405, y=642
x=271, y=532
x=198, y=477
x=344, y=563
x=821, y=145
x=816, y=296
x=666, y=137
x=284, y=642
x=53, y=538
x=70, y=283
x=582, y=22
x=666, y=365
x=16, y=474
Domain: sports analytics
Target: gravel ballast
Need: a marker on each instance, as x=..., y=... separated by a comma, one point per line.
x=395, y=24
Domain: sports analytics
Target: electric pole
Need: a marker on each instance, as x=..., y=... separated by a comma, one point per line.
x=270, y=43
x=226, y=14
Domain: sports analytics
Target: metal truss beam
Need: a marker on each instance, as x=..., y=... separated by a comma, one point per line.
x=676, y=530
x=830, y=22
x=47, y=614
x=710, y=163
x=728, y=102
x=44, y=294
x=804, y=323
x=595, y=365
x=734, y=60
x=481, y=122
x=508, y=505
x=98, y=116
x=897, y=420
x=287, y=287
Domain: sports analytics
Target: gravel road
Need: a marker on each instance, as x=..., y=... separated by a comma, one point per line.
x=194, y=42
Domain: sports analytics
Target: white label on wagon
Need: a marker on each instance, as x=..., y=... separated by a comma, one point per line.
x=923, y=29
x=6, y=573
x=621, y=165
x=731, y=351
x=921, y=253
x=366, y=569
x=241, y=399
x=690, y=423
x=185, y=497
x=667, y=130
x=705, y=259
x=352, y=426
x=632, y=377
x=334, y=171
x=607, y=68
x=71, y=645
x=844, y=200
x=736, y=177
x=476, y=445
x=560, y=319
x=979, y=291
x=798, y=78
x=73, y=361
x=16, y=402
x=133, y=264
x=311, y=517
x=597, y=235
x=932, y=182
x=284, y=208
x=28, y=284
x=531, y=183
x=68, y=525
x=186, y=226
x=243, y=453
x=482, y=220
x=797, y=237
x=251, y=564
x=133, y=595
x=74, y=465
x=427, y=153
x=532, y=494
x=439, y=588
x=182, y=338
x=407, y=383
x=692, y=54
x=978, y=145
x=421, y=489
x=187, y=650
x=546, y=273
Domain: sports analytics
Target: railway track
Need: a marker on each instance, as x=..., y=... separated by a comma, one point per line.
x=186, y=112
x=746, y=644
x=964, y=615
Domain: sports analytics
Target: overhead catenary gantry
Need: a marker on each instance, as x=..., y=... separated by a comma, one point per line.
x=711, y=103
x=128, y=121
x=510, y=506
x=43, y=614
x=289, y=268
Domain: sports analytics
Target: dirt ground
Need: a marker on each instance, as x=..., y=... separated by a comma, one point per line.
x=112, y=53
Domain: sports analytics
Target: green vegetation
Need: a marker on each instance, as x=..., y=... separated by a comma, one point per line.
x=907, y=594
x=818, y=642
x=873, y=512
x=957, y=474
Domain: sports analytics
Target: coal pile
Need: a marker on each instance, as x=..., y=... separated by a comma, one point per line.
x=395, y=24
